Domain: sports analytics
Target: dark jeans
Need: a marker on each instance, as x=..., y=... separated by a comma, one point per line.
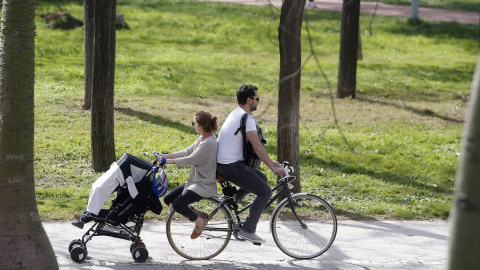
x=249, y=181
x=127, y=161
x=181, y=200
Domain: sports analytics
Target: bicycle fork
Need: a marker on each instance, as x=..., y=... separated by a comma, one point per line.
x=291, y=203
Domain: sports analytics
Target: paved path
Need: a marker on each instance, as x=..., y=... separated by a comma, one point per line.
x=386, y=245
x=382, y=9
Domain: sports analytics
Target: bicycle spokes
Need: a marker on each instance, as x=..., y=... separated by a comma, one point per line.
x=305, y=231
x=215, y=235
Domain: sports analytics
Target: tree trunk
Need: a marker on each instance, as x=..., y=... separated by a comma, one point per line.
x=103, y=141
x=359, y=49
x=347, y=68
x=464, y=236
x=414, y=5
x=89, y=16
x=23, y=241
x=289, y=33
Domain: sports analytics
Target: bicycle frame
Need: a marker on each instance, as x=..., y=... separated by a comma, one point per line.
x=291, y=222
x=281, y=188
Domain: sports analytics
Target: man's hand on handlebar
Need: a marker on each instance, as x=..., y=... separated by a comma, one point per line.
x=278, y=169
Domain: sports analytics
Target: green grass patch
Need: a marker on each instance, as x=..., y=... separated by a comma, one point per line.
x=464, y=5
x=393, y=153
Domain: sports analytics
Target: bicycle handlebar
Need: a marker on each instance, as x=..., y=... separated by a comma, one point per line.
x=288, y=169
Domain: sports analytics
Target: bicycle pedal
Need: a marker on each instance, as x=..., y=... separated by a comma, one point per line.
x=257, y=244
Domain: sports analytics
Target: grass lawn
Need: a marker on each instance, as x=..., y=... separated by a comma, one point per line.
x=390, y=153
x=464, y=5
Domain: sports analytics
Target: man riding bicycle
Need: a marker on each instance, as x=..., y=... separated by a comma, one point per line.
x=230, y=159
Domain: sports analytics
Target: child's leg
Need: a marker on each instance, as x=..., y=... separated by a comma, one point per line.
x=103, y=187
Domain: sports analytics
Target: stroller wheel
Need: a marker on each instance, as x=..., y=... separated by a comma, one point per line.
x=133, y=245
x=78, y=254
x=140, y=254
x=76, y=242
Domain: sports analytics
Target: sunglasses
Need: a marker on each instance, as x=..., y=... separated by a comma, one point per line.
x=255, y=97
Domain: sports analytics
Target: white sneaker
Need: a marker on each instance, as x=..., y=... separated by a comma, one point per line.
x=311, y=4
x=253, y=237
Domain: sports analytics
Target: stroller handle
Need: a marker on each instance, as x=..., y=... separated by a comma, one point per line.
x=162, y=162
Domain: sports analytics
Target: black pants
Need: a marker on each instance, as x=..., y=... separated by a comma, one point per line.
x=127, y=160
x=181, y=201
x=250, y=181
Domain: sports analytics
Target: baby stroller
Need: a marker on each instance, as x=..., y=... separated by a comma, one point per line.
x=124, y=219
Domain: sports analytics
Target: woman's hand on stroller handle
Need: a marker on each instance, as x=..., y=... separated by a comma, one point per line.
x=161, y=159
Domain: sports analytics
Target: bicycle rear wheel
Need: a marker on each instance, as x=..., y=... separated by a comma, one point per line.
x=313, y=235
x=214, y=237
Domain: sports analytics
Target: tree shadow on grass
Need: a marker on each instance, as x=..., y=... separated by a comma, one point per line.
x=389, y=177
x=422, y=112
x=436, y=29
x=460, y=5
x=155, y=119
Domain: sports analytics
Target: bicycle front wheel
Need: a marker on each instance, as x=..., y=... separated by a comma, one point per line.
x=214, y=237
x=306, y=232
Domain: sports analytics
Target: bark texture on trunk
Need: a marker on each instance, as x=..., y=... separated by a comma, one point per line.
x=464, y=236
x=89, y=17
x=289, y=33
x=347, y=68
x=103, y=140
x=23, y=241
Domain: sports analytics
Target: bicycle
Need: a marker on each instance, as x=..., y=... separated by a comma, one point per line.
x=303, y=225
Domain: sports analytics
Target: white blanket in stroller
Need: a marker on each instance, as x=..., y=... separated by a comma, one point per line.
x=106, y=185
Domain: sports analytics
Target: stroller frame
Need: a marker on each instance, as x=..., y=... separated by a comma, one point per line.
x=126, y=230
x=78, y=247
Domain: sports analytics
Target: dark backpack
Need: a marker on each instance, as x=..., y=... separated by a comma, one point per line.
x=249, y=154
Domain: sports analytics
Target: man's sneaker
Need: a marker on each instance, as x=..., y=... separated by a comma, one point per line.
x=253, y=237
x=311, y=4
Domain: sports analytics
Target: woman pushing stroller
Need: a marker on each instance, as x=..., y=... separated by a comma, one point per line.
x=201, y=183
